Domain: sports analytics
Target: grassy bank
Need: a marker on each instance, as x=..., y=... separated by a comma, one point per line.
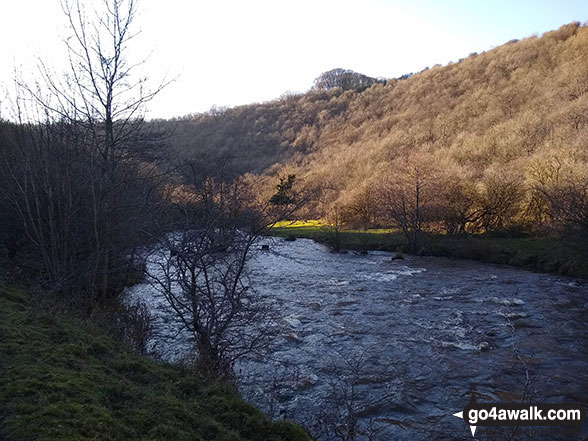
x=537, y=253
x=62, y=380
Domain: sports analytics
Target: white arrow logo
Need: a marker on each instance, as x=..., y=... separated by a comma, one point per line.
x=460, y=415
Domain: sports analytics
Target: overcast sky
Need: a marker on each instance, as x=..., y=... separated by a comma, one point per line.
x=231, y=52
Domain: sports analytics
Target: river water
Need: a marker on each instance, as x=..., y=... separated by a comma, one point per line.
x=400, y=341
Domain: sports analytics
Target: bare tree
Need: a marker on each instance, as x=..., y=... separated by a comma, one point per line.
x=202, y=265
x=408, y=195
x=501, y=196
x=77, y=171
x=335, y=223
x=347, y=409
x=460, y=210
x=459, y=207
x=561, y=183
x=110, y=99
x=206, y=285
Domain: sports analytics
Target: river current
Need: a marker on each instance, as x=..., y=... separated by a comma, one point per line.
x=400, y=342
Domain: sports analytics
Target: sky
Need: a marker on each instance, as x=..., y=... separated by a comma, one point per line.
x=231, y=52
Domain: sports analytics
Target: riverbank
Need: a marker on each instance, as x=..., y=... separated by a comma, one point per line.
x=60, y=378
x=536, y=253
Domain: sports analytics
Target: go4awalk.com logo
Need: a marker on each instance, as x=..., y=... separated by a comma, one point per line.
x=520, y=414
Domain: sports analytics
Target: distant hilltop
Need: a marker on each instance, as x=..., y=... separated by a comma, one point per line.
x=487, y=126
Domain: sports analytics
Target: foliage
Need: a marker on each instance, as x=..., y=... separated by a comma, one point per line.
x=484, y=123
x=345, y=79
x=284, y=188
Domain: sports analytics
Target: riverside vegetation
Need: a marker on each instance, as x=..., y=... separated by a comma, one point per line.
x=493, y=145
x=64, y=378
x=86, y=185
x=541, y=253
x=483, y=158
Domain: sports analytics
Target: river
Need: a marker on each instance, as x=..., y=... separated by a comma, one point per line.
x=401, y=341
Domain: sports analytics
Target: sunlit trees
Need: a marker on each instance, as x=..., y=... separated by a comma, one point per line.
x=488, y=115
x=408, y=197
x=459, y=205
x=344, y=78
x=561, y=180
x=501, y=195
x=362, y=210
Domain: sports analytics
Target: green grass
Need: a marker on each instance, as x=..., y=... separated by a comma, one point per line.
x=62, y=380
x=372, y=239
x=538, y=253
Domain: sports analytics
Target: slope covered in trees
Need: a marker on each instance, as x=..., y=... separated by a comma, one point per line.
x=495, y=141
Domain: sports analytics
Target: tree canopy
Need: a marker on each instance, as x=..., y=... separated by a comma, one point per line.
x=346, y=79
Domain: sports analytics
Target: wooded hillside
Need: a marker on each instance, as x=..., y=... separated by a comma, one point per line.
x=496, y=139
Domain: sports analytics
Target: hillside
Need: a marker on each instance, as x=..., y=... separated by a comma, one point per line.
x=61, y=379
x=493, y=123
